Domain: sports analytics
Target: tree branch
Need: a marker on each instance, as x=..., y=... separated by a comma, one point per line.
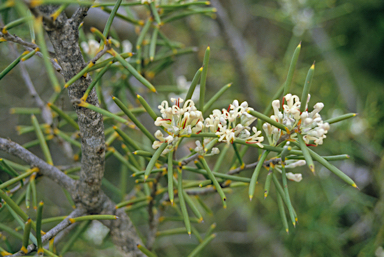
x=30, y=47
x=44, y=168
x=55, y=230
x=80, y=14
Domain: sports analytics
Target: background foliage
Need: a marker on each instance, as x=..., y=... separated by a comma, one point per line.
x=345, y=38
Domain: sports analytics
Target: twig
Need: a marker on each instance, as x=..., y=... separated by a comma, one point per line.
x=80, y=14
x=44, y=168
x=55, y=230
x=189, y=159
x=275, y=161
x=30, y=47
x=153, y=221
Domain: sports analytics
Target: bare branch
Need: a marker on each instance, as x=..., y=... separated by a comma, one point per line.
x=153, y=217
x=55, y=230
x=30, y=47
x=275, y=161
x=80, y=14
x=44, y=168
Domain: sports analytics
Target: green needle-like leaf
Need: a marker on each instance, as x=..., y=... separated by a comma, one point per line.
x=126, y=138
x=267, y=184
x=267, y=119
x=307, y=156
x=93, y=217
x=27, y=231
x=306, y=87
x=111, y=18
x=170, y=176
x=200, y=247
x=8, y=169
x=193, y=207
x=142, y=34
x=79, y=75
x=12, y=65
x=182, y=202
x=341, y=118
x=255, y=174
x=291, y=70
x=289, y=204
x=203, y=79
x=132, y=70
x=216, y=97
x=132, y=201
x=146, y=251
x=282, y=212
x=153, y=160
x=134, y=119
x=43, y=143
x=214, y=181
x=147, y=107
x=94, y=81
x=38, y=228
x=43, y=47
x=104, y=112
x=193, y=85
x=152, y=46
x=332, y=168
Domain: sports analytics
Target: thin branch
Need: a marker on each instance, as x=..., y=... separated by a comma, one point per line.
x=30, y=47
x=80, y=14
x=275, y=161
x=44, y=168
x=153, y=219
x=189, y=159
x=55, y=230
x=101, y=53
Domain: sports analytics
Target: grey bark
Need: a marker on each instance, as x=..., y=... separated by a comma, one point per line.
x=63, y=34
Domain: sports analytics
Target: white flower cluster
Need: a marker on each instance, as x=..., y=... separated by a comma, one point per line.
x=233, y=123
x=184, y=119
x=310, y=125
x=177, y=120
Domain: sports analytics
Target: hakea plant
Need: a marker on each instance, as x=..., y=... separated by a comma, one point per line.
x=290, y=131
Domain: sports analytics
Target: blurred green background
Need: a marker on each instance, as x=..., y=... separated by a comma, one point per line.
x=251, y=45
